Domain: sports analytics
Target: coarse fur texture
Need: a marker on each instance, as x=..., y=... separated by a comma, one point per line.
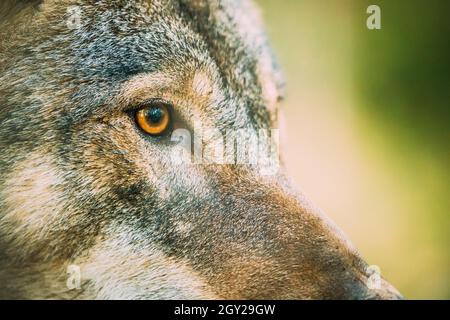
x=81, y=185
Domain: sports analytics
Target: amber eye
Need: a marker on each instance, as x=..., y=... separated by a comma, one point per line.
x=154, y=118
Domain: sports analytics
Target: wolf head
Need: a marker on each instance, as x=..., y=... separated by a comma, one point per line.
x=192, y=212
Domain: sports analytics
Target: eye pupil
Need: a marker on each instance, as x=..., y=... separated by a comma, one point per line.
x=155, y=114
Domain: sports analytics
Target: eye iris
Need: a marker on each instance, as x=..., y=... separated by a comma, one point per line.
x=153, y=119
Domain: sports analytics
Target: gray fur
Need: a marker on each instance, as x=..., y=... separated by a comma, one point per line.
x=107, y=197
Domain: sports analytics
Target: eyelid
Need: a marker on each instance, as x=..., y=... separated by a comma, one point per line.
x=133, y=108
x=157, y=85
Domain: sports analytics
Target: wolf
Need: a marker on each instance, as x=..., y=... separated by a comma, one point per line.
x=91, y=96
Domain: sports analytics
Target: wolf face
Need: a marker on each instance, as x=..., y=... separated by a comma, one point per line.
x=81, y=182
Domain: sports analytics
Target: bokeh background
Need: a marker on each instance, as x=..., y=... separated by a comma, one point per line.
x=368, y=115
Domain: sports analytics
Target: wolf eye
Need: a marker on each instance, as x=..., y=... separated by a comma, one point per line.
x=154, y=118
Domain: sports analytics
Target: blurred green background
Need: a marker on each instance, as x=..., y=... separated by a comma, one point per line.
x=367, y=114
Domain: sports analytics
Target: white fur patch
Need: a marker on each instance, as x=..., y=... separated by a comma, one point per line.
x=120, y=270
x=201, y=84
x=31, y=196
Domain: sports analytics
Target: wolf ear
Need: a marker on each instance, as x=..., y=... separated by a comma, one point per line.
x=9, y=8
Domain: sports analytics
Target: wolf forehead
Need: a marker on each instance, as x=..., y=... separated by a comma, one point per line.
x=96, y=46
